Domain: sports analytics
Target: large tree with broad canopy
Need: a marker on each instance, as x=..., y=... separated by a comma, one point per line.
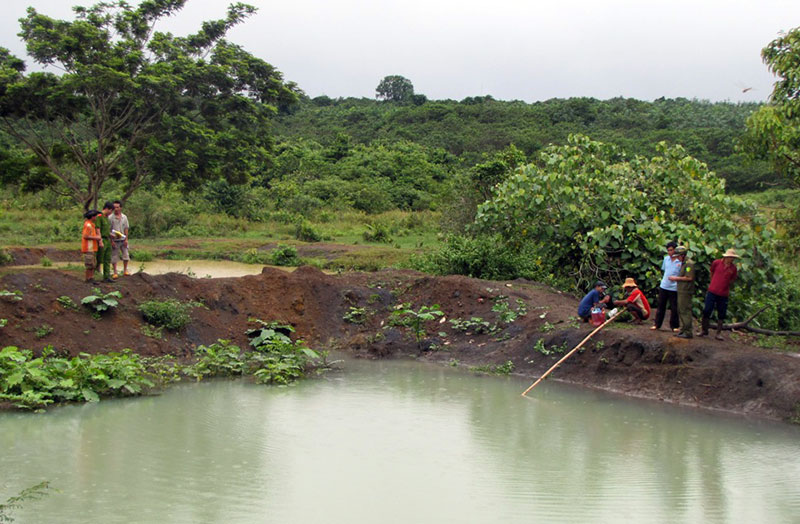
x=136, y=104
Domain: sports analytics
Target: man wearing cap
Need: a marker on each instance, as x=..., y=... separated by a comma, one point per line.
x=595, y=297
x=90, y=241
x=723, y=274
x=636, y=303
x=685, y=280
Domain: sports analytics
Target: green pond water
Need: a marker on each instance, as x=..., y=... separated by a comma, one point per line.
x=397, y=442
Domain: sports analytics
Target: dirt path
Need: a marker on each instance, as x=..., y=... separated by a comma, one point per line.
x=631, y=360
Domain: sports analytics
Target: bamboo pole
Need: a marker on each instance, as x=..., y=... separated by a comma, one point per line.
x=576, y=348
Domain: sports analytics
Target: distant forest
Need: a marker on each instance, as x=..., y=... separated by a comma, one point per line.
x=462, y=134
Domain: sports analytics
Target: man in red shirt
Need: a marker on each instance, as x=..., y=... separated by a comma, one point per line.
x=723, y=274
x=636, y=303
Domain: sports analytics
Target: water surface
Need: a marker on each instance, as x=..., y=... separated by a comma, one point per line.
x=397, y=442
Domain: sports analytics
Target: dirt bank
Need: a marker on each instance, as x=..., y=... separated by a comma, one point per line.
x=628, y=359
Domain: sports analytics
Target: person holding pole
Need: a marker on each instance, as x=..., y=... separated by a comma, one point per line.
x=685, y=280
x=636, y=304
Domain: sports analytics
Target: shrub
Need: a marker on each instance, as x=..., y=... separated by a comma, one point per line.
x=100, y=302
x=142, y=256
x=305, y=232
x=284, y=256
x=171, y=313
x=378, y=232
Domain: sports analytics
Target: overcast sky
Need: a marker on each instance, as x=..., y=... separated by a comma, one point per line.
x=510, y=49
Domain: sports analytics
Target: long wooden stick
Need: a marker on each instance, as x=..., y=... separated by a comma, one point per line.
x=576, y=348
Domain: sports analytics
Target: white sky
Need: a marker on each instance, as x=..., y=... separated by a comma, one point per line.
x=510, y=49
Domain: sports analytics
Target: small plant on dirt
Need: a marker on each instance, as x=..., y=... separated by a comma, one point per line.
x=268, y=333
x=415, y=320
x=151, y=331
x=377, y=337
x=3, y=322
x=171, y=313
x=5, y=257
x=547, y=327
x=39, y=287
x=506, y=314
x=373, y=298
x=284, y=255
x=43, y=330
x=600, y=344
x=11, y=295
x=67, y=303
x=32, y=493
x=474, y=325
x=355, y=315
x=454, y=362
x=573, y=322
x=100, y=302
x=543, y=349
x=46, y=262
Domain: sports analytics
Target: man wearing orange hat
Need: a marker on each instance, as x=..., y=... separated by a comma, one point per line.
x=636, y=303
x=723, y=274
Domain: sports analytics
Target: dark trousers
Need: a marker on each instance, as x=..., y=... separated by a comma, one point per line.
x=715, y=301
x=666, y=296
x=637, y=312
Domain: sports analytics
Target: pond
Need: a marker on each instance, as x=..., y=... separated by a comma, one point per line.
x=397, y=442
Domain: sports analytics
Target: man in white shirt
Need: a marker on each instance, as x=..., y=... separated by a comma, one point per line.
x=119, y=235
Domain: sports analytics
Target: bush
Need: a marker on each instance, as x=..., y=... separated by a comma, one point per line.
x=305, y=232
x=142, y=256
x=171, y=314
x=378, y=232
x=284, y=256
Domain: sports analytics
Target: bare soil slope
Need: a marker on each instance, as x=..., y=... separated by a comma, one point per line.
x=632, y=360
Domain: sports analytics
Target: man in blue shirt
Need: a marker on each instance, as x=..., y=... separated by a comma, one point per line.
x=668, y=290
x=595, y=296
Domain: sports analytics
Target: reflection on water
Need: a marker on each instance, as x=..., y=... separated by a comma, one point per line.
x=193, y=268
x=398, y=442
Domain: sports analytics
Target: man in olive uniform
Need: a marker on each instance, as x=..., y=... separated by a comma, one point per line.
x=685, y=280
x=104, y=249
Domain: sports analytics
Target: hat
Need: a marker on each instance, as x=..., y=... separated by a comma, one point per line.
x=90, y=214
x=681, y=250
x=629, y=282
x=601, y=284
x=731, y=253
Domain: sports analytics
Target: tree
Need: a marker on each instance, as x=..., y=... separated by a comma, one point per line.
x=395, y=88
x=774, y=130
x=139, y=105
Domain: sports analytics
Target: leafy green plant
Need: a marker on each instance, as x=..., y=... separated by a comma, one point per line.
x=100, y=302
x=43, y=330
x=506, y=314
x=67, y=303
x=3, y=322
x=284, y=255
x=474, y=325
x=29, y=382
x=11, y=295
x=268, y=333
x=171, y=313
x=544, y=350
x=46, y=262
x=5, y=257
x=355, y=315
x=151, y=331
x=547, y=327
x=415, y=320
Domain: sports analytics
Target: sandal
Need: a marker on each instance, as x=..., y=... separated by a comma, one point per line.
x=653, y=328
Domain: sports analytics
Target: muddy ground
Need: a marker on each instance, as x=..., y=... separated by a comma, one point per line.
x=632, y=360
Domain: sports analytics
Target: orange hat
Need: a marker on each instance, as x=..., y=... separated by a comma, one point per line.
x=629, y=282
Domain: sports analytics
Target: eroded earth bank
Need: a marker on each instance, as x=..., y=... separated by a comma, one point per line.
x=631, y=360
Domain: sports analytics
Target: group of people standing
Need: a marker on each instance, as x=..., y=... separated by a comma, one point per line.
x=105, y=241
x=675, y=291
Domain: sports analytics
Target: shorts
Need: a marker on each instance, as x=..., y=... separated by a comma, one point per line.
x=89, y=259
x=117, y=249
